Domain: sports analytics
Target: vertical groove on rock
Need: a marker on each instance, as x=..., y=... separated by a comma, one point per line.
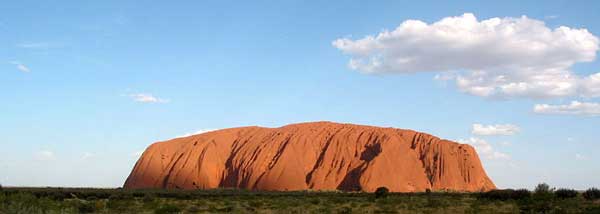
x=319, y=161
x=168, y=175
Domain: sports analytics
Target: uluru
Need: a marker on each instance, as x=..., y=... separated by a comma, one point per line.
x=311, y=156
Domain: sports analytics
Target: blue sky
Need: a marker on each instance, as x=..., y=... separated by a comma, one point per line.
x=86, y=85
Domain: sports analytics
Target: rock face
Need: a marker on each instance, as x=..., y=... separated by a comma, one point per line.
x=318, y=156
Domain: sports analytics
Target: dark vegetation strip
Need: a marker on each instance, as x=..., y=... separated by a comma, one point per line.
x=543, y=199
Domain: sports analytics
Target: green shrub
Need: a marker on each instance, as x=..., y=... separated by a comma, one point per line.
x=345, y=210
x=521, y=194
x=315, y=201
x=148, y=198
x=84, y=207
x=565, y=193
x=592, y=194
x=116, y=203
x=138, y=194
x=498, y=194
x=543, y=190
x=58, y=195
x=255, y=203
x=121, y=196
x=167, y=209
x=193, y=209
x=381, y=192
x=506, y=194
x=226, y=209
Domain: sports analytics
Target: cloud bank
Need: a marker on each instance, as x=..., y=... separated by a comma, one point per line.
x=196, y=132
x=21, y=66
x=580, y=157
x=147, y=98
x=37, y=45
x=484, y=148
x=574, y=108
x=497, y=57
x=45, y=155
x=500, y=129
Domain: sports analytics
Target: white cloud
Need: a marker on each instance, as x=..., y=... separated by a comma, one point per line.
x=444, y=76
x=574, y=108
x=580, y=157
x=505, y=143
x=591, y=85
x=147, y=98
x=551, y=17
x=137, y=154
x=484, y=149
x=500, y=129
x=196, y=132
x=37, y=45
x=45, y=155
x=21, y=66
x=87, y=155
x=497, y=57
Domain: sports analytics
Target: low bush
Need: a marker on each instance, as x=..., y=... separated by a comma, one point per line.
x=54, y=195
x=345, y=210
x=543, y=188
x=565, y=193
x=543, y=191
x=194, y=209
x=148, y=198
x=116, y=203
x=168, y=209
x=506, y=194
x=521, y=194
x=498, y=194
x=315, y=201
x=121, y=196
x=256, y=203
x=85, y=207
x=381, y=192
x=592, y=194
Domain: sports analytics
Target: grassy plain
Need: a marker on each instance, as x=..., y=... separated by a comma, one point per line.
x=80, y=200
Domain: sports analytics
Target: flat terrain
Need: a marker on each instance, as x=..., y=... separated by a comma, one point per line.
x=72, y=200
